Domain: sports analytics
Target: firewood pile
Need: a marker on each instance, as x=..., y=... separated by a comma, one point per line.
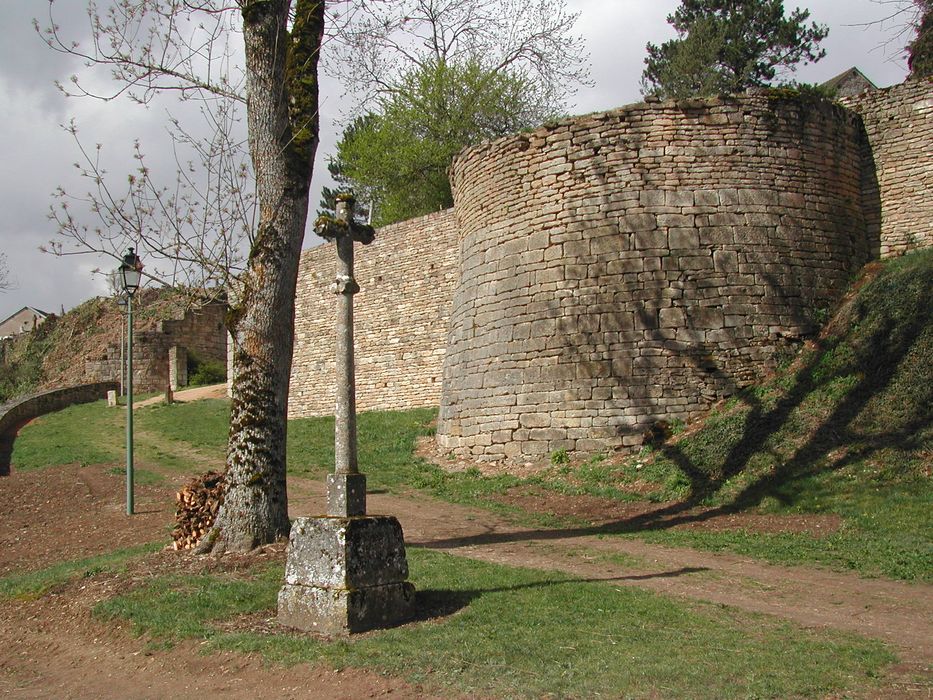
x=196, y=508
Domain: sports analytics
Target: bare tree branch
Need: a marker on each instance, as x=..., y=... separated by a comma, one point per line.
x=5, y=282
x=155, y=46
x=379, y=42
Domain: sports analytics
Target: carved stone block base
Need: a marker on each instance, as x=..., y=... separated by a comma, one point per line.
x=345, y=575
x=341, y=611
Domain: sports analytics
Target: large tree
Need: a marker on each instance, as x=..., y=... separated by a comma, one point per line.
x=187, y=47
x=437, y=75
x=725, y=46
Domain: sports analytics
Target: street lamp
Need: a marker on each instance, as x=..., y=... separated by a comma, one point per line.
x=130, y=275
x=121, y=304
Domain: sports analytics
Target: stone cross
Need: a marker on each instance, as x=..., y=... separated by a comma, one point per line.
x=346, y=487
x=345, y=572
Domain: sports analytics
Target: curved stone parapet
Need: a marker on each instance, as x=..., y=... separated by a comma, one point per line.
x=633, y=266
x=15, y=414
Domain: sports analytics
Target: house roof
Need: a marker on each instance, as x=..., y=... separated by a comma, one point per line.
x=852, y=74
x=31, y=309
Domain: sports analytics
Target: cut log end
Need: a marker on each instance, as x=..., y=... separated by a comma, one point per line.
x=197, y=506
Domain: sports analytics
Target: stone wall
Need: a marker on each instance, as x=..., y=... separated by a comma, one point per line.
x=634, y=266
x=200, y=331
x=406, y=276
x=898, y=184
x=15, y=414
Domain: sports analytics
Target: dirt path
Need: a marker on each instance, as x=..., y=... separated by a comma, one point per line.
x=213, y=391
x=898, y=613
x=51, y=647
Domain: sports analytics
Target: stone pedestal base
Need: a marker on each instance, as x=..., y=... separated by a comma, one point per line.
x=346, y=575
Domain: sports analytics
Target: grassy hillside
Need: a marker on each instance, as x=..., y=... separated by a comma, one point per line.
x=53, y=355
x=844, y=429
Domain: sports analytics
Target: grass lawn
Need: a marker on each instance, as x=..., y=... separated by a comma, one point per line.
x=887, y=528
x=517, y=632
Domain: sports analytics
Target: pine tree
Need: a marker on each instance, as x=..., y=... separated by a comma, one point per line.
x=725, y=46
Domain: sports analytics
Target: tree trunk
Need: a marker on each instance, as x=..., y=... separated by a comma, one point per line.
x=282, y=99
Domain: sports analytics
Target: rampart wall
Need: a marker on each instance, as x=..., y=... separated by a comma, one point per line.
x=15, y=414
x=200, y=331
x=634, y=266
x=407, y=276
x=898, y=169
x=623, y=269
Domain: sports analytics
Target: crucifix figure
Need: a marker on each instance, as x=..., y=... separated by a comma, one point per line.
x=346, y=487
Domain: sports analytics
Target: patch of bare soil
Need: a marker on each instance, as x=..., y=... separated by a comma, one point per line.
x=603, y=511
x=72, y=512
x=53, y=647
x=212, y=391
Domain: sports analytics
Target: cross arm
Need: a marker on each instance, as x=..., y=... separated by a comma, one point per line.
x=330, y=229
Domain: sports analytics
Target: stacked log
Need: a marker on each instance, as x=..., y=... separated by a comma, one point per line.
x=196, y=507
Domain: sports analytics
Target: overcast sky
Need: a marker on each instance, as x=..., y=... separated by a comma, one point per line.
x=38, y=155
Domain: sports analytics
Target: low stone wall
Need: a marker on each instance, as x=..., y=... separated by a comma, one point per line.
x=15, y=414
x=633, y=266
x=407, y=276
x=898, y=183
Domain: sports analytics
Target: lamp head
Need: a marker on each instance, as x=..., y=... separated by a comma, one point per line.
x=131, y=272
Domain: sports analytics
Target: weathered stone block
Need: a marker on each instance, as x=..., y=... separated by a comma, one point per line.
x=725, y=261
x=535, y=420
x=346, y=495
x=339, y=611
x=671, y=318
x=684, y=238
x=345, y=575
x=633, y=223
x=646, y=240
x=701, y=317
x=346, y=552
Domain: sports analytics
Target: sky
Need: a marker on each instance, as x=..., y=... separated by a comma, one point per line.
x=38, y=154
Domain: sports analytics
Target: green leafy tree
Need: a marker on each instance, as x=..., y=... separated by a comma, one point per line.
x=401, y=154
x=433, y=76
x=725, y=46
x=364, y=195
x=920, y=50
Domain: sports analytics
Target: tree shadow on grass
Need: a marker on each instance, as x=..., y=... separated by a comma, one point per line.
x=435, y=603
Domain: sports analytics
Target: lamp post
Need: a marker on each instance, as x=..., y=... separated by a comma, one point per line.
x=130, y=274
x=121, y=304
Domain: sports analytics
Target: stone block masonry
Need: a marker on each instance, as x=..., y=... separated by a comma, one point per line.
x=406, y=277
x=634, y=266
x=620, y=269
x=15, y=414
x=346, y=575
x=200, y=331
x=898, y=168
